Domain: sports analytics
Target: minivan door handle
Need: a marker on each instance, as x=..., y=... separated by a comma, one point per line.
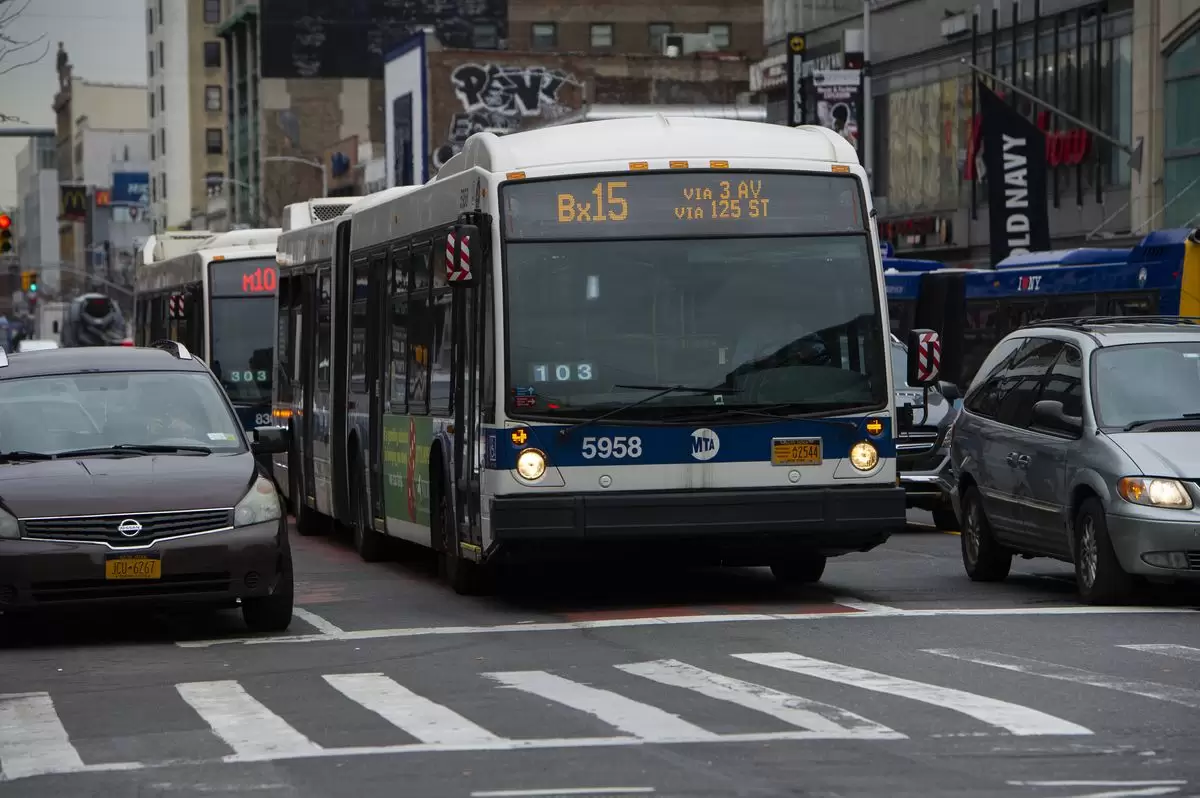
x=1011, y=459
x=1022, y=461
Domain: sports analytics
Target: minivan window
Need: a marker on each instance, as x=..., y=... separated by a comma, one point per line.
x=1143, y=382
x=1065, y=383
x=1023, y=381
x=982, y=398
x=58, y=413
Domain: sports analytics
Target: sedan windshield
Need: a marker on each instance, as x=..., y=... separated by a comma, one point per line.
x=770, y=321
x=56, y=414
x=1146, y=382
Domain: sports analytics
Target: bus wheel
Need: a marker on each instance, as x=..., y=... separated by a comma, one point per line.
x=369, y=544
x=464, y=577
x=800, y=569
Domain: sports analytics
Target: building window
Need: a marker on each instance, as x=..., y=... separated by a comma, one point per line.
x=162, y=141
x=720, y=32
x=160, y=16
x=162, y=179
x=154, y=189
x=485, y=35
x=149, y=20
x=657, y=31
x=544, y=36
x=214, y=141
x=153, y=151
x=212, y=55
x=212, y=12
x=602, y=36
x=160, y=55
x=1181, y=170
x=215, y=183
x=212, y=98
x=150, y=97
x=162, y=98
x=150, y=57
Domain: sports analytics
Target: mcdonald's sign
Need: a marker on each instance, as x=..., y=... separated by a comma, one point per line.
x=72, y=203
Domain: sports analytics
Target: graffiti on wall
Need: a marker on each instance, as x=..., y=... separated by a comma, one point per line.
x=498, y=98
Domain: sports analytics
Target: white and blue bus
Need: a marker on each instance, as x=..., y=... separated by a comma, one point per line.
x=639, y=337
x=216, y=295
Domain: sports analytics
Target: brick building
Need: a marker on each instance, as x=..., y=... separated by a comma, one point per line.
x=436, y=98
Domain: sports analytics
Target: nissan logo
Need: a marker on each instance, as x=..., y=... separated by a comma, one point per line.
x=129, y=528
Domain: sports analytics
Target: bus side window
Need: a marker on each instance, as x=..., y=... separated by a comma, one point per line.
x=398, y=334
x=420, y=332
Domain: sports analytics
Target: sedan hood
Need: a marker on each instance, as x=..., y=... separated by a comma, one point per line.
x=1162, y=454
x=111, y=485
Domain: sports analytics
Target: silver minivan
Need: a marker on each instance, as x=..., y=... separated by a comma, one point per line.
x=1079, y=440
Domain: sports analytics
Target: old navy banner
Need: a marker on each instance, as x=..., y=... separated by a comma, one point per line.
x=1014, y=155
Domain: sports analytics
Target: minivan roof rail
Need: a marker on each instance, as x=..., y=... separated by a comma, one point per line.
x=174, y=347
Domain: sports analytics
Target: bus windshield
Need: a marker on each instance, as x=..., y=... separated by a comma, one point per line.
x=787, y=316
x=243, y=327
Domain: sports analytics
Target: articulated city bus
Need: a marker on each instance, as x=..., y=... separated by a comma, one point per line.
x=656, y=337
x=216, y=296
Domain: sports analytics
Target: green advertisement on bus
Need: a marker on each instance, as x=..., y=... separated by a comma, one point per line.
x=406, y=443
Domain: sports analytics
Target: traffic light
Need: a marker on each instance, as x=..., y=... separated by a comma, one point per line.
x=29, y=281
x=6, y=233
x=33, y=281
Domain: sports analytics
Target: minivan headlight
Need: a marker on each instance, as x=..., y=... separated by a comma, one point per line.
x=259, y=505
x=10, y=529
x=1153, y=492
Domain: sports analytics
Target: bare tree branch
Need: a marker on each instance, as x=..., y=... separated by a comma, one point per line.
x=10, y=11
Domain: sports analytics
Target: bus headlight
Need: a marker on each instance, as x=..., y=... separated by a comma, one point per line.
x=864, y=456
x=531, y=464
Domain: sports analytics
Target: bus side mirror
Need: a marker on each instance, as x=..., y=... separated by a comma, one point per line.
x=460, y=241
x=924, y=358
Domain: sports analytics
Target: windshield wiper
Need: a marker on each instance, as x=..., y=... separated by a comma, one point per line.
x=659, y=390
x=770, y=412
x=136, y=448
x=18, y=455
x=1132, y=425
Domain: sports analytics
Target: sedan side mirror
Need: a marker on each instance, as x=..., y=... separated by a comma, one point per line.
x=271, y=440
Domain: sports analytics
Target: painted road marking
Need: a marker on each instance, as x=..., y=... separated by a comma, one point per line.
x=632, y=717
x=429, y=722
x=1014, y=718
x=246, y=726
x=1162, y=692
x=791, y=709
x=1168, y=650
x=564, y=791
x=1127, y=789
x=317, y=622
x=569, y=626
x=33, y=740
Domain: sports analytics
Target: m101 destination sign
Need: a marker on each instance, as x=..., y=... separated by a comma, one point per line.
x=683, y=204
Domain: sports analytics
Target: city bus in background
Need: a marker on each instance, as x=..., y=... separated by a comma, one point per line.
x=903, y=279
x=311, y=391
x=215, y=294
x=975, y=308
x=656, y=337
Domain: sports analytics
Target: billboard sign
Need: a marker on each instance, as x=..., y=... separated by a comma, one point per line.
x=130, y=189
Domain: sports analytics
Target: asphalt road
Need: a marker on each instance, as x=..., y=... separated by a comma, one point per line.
x=894, y=677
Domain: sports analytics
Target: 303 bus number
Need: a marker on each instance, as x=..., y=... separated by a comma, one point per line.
x=619, y=447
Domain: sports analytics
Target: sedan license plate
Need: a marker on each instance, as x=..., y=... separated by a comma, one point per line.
x=138, y=566
x=795, y=451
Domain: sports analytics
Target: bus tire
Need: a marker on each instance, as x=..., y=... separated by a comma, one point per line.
x=800, y=569
x=463, y=576
x=369, y=544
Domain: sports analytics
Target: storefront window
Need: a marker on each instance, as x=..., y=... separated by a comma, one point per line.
x=1181, y=175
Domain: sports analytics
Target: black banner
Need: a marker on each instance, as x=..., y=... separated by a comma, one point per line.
x=1014, y=155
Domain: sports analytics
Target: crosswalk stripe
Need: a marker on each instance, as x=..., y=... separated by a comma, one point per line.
x=791, y=709
x=429, y=722
x=1162, y=692
x=1167, y=650
x=246, y=726
x=1014, y=718
x=32, y=738
x=632, y=717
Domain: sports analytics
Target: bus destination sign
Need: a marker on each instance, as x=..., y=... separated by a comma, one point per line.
x=654, y=205
x=252, y=277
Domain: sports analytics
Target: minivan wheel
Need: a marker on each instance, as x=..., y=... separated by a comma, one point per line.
x=984, y=559
x=1098, y=572
x=800, y=569
x=272, y=613
x=369, y=544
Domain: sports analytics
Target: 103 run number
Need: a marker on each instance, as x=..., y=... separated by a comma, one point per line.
x=619, y=447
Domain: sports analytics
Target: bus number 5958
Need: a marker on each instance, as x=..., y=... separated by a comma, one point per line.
x=619, y=447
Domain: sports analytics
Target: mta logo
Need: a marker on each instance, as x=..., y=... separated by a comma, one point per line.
x=705, y=444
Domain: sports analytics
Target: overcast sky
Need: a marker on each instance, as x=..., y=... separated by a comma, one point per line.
x=106, y=41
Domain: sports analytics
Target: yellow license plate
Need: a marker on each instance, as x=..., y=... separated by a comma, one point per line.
x=136, y=567
x=796, y=451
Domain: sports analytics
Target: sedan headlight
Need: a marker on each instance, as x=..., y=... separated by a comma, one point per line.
x=259, y=505
x=9, y=528
x=1154, y=492
x=531, y=464
x=864, y=456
